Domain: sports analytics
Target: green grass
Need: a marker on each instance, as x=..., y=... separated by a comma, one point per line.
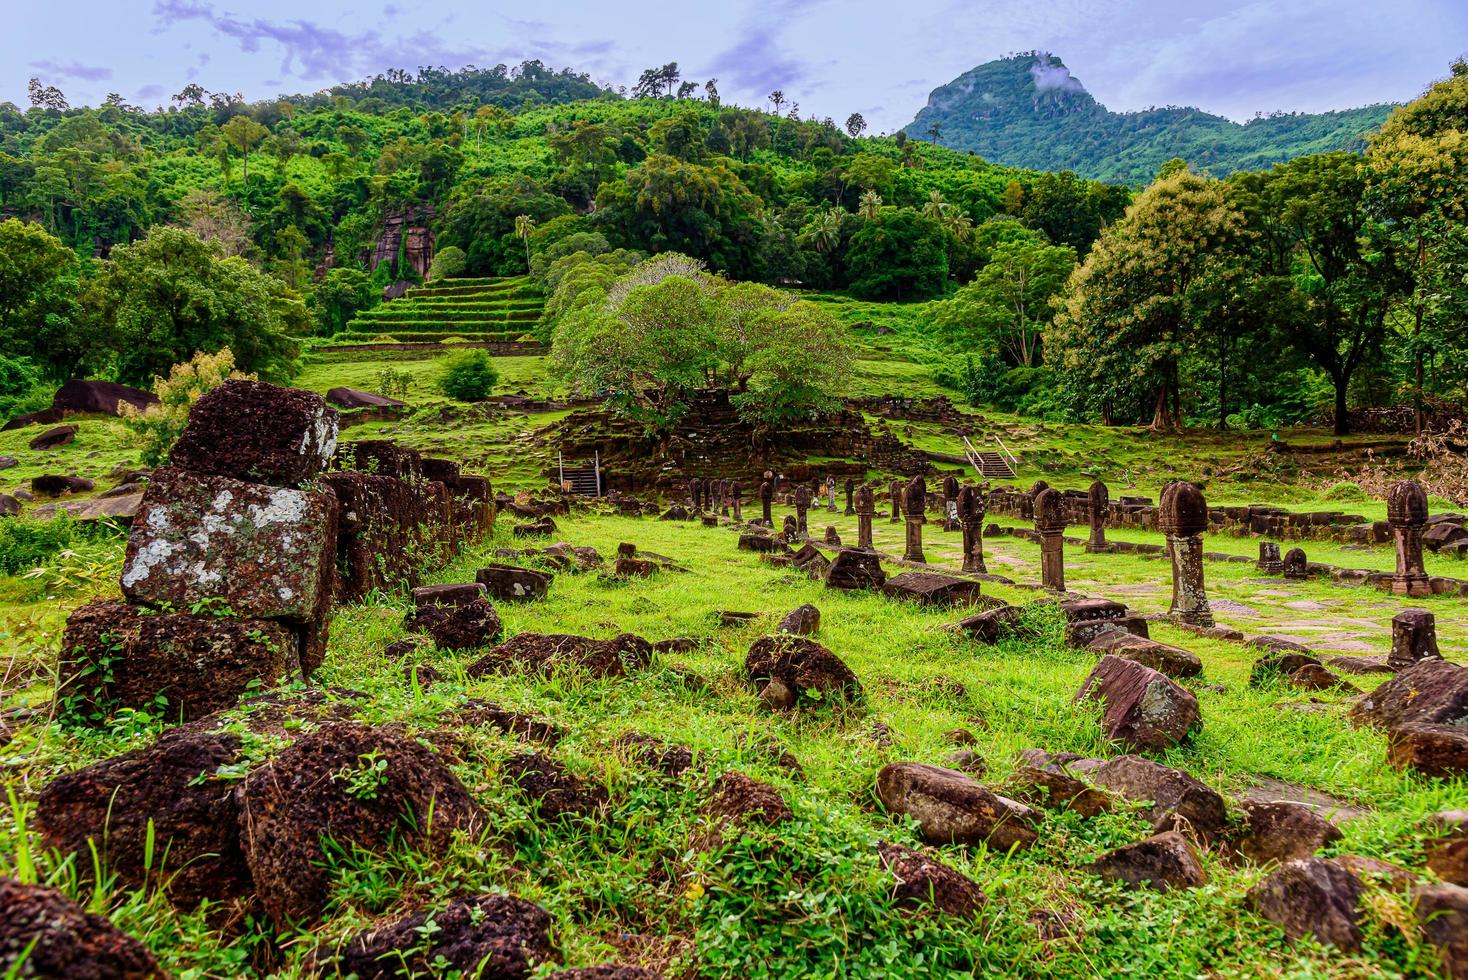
x=816, y=904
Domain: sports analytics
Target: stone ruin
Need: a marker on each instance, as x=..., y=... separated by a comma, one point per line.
x=1050, y=525
x=1295, y=565
x=894, y=490
x=950, y=503
x=802, y=508
x=1406, y=512
x=1098, y=504
x=1183, y=519
x=1270, y=562
x=914, y=506
x=971, y=505
x=241, y=548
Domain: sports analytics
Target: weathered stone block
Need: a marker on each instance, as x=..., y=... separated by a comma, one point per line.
x=932, y=589
x=1431, y=691
x=952, y=808
x=178, y=665
x=249, y=430
x=1432, y=750
x=265, y=552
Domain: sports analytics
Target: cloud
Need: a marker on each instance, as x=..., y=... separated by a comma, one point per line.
x=1054, y=78
x=314, y=52
x=73, y=70
x=756, y=64
x=151, y=91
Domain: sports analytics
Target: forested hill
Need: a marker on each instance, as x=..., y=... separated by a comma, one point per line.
x=1027, y=110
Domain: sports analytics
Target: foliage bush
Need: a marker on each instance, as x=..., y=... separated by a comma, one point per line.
x=1345, y=492
x=469, y=376
x=21, y=387
x=450, y=261
x=158, y=428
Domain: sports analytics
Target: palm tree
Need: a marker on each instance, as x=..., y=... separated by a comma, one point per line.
x=871, y=203
x=524, y=225
x=826, y=235
x=936, y=206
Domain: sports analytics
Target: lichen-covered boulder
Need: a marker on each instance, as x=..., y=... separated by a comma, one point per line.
x=1279, y=831
x=250, y=430
x=45, y=934
x=357, y=785
x=1179, y=802
x=165, y=800
x=511, y=583
x=492, y=937
x=1430, y=691
x=181, y=666
x=851, y=570
x=260, y=551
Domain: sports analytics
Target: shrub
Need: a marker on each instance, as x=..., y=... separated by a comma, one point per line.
x=157, y=429
x=449, y=261
x=21, y=388
x=24, y=544
x=469, y=376
x=1345, y=491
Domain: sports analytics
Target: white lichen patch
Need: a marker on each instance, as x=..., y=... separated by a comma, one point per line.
x=282, y=507
x=151, y=555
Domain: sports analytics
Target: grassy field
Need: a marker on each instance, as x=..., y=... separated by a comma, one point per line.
x=809, y=897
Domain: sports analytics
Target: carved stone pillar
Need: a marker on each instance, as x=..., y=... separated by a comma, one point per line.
x=850, y=487
x=1098, y=504
x=766, y=495
x=895, y=488
x=914, y=505
x=1183, y=517
x=972, y=504
x=802, y=506
x=1406, y=512
x=865, y=510
x=1050, y=523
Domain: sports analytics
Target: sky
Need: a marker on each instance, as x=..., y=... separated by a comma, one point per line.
x=832, y=57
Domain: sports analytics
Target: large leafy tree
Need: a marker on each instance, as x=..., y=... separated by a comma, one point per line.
x=668, y=205
x=1347, y=271
x=898, y=254
x=38, y=306
x=1008, y=305
x=1156, y=287
x=1417, y=176
x=169, y=296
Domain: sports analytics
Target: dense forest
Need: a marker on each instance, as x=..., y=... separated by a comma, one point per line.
x=1027, y=110
x=137, y=238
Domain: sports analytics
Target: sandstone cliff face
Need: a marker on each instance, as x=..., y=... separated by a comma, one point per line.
x=410, y=226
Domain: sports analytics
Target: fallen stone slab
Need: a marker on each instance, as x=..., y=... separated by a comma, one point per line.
x=159, y=814
x=990, y=625
x=1316, y=677
x=793, y=670
x=759, y=541
x=1056, y=789
x=1276, y=832
x=932, y=589
x=494, y=937
x=1312, y=897
x=179, y=666
x=547, y=653
x=1430, y=691
x=1179, y=802
x=264, y=552
x=952, y=808
x=853, y=570
x=1277, y=666
x=556, y=792
x=355, y=398
x=54, y=438
x=1142, y=708
x=1173, y=661
x=800, y=621
x=511, y=583
x=1163, y=862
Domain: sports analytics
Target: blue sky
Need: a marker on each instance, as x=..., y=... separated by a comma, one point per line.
x=1234, y=57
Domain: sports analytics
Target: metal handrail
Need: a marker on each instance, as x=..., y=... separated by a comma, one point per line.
x=1009, y=456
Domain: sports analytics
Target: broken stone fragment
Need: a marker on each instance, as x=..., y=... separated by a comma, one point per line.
x=233, y=547
x=952, y=808
x=1164, y=862
x=1142, y=708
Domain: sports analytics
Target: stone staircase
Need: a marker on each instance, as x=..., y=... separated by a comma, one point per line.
x=992, y=466
x=476, y=310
